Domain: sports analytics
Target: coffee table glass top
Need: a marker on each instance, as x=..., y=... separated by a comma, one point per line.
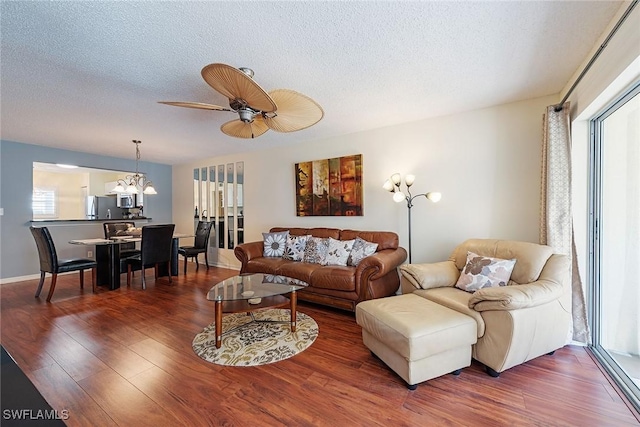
x=249, y=286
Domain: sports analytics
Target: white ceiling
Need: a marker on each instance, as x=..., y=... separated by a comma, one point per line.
x=87, y=76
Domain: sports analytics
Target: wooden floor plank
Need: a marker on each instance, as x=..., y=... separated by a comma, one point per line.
x=124, y=402
x=124, y=357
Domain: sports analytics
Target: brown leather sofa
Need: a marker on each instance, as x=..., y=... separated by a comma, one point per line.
x=343, y=287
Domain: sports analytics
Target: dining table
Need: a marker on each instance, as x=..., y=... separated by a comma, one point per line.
x=107, y=253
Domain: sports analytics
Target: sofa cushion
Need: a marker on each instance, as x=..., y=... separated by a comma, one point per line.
x=316, y=250
x=294, y=248
x=338, y=252
x=274, y=243
x=334, y=277
x=531, y=257
x=298, y=270
x=484, y=272
x=267, y=265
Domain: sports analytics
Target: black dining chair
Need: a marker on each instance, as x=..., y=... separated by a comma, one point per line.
x=127, y=250
x=199, y=245
x=49, y=262
x=155, y=249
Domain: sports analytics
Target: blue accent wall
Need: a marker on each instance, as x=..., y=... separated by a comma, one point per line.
x=18, y=254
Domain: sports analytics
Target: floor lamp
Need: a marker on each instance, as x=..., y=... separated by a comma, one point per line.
x=393, y=185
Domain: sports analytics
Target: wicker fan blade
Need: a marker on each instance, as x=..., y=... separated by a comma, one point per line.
x=295, y=111
x=234, y=84
x=241, y=129
x=199, y=105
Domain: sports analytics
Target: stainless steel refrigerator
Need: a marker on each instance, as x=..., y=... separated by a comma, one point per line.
x=101, y=207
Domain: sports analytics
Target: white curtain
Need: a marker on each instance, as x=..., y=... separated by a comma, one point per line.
x=556, y=222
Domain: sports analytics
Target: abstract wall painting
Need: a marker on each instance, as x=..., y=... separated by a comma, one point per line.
x=329, y=187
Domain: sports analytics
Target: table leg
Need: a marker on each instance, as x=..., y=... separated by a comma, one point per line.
x=218, y=316
x=293, y=300
x=108, y=270
x=114, y=265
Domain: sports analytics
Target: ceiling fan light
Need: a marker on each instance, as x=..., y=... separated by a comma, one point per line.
x=246, y=115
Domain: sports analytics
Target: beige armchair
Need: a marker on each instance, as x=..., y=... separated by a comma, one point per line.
x=529, y=317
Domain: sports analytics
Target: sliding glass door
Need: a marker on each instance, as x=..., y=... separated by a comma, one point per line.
x=615, y=235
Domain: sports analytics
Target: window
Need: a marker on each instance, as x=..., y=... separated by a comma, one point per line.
x=44, y=203
x=614, y=281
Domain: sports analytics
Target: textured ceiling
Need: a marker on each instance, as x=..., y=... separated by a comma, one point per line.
x=87, y=76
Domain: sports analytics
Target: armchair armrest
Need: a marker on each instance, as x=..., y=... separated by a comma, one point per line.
x=383, y=262
x=433, y=275
x=516, y=296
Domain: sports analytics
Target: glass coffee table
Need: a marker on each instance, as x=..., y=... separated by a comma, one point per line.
x=251, y=292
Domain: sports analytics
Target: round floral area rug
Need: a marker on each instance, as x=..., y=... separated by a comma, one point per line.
x=250, y=343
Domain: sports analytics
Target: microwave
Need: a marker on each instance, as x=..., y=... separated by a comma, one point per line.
x=125, y=200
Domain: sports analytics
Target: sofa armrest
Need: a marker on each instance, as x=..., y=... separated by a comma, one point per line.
x=248, y=251
x=431, y=275
x=516, y=296
x=382, y=262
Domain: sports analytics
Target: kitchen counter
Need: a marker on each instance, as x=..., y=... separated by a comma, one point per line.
x=139, y=218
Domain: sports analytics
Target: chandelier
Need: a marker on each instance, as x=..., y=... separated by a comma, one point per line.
x=131, y=183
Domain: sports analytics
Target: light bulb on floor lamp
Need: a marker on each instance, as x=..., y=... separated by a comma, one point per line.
x=393, y=185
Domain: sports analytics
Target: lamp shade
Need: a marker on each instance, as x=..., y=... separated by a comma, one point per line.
x=409, y=179
x=398, y=197
x=149, y=189
x=131, y=189
x=388, y=186
x=434, y=196
x=396, y=178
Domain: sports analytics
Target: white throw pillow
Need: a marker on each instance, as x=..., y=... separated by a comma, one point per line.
x=338, y=252
x=484, y=272
x=361, y=249
x=316, y=250
x=274, y=243
x=294, y=249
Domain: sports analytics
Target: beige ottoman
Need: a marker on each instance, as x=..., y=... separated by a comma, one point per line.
x=417, y=338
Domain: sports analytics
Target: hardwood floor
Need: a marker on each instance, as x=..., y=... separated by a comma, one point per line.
x=124, y=358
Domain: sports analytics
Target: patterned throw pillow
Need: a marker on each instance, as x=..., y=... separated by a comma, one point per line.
x=294, y=249
x=316, y=250
x=361, y=249
x=274, y=243
x=338, y=251
x=484, y=272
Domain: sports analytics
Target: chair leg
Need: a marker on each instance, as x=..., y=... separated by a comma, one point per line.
x=185, y=265
x=169, y=270
x=206, y=259
x=93, y=279
x=196, y=260
x=155, y=271
x=81, y=279
x=42, y=273
x=54, y=278
x=144, y=284
x=129, y=275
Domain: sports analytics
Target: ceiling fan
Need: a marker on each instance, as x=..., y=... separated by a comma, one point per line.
x=282, y=110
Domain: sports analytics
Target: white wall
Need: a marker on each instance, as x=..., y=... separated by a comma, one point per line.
x=485, y=162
